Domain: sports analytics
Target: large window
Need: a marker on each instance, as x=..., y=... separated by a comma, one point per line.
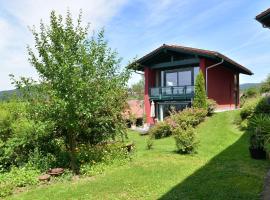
x=171, y=79
x=184, y=78
x=180, y=77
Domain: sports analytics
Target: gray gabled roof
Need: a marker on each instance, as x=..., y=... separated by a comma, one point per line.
x=197, y=52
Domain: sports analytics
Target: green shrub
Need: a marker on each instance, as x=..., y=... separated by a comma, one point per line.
x=200, y=93
x=42, y=161
x=263, y=105
x=256, y=141
x=211, y=106
x=249, y=93
x=17, y=177
x=6, y=189
x=149, y=143
x=160, y=130
x=189, y=116
x=95, y=159
x=259, y=122
x=265, y=87
x=249, y=108
x=259, y=127
x=185, y=138
x=105, y=153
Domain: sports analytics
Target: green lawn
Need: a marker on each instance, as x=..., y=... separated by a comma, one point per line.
x=222, y=169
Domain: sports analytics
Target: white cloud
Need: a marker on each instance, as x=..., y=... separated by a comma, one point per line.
x=21, y=14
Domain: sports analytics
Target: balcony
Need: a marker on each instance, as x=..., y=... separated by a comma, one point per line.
x=172, y=93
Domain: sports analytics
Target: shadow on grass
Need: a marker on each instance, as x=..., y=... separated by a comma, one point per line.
x=232, y=174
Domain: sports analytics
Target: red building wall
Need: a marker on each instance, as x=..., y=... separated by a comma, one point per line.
x=222, y=86
x=149, y=78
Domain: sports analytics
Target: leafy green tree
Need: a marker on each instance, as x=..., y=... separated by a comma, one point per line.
x=200, y=98
x=265, y=87
x=82, y=86
x=137, y=89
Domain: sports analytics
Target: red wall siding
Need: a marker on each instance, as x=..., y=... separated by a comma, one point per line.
x=221, y=86
x=149, y=78
x=203, y=65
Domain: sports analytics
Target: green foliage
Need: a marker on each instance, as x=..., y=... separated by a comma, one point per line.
x=17, y=177
x=149, y=143
x=184, y=123
x=95, y=159
x=265, y=87
x=259, y=127
x=43, y=161
x=249, y=93
x=185, y=139
x=249, y=108
x=83, y=89
x=137, y=90
x=211, y=106
x=188, y=117
x=160, y=130
x=132, y=118
x=19, y=136
x=200, y=93
x=263, y=106
x=259, y=123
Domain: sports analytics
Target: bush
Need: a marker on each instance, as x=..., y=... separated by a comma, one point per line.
x=259, y=127
x=17, y=177
x=259, y=122
x=185, y=139
x=265, y=87
x=189, y=116
x=160, y=130
x=211, y=106
x=183, y=124
x=95, y=159
x=249, y=93
x=104, y=153
x=249, y=108
x=263, y=105
x=149, y=143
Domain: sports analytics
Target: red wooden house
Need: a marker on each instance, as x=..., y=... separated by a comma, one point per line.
x=170, y=72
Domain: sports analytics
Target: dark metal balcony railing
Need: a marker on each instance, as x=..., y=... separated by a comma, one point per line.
x=174, y=92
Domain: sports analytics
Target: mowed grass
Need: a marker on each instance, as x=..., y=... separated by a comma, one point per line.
x=222, y=169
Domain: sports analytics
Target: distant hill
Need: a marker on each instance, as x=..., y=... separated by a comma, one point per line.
x=6, y=93
x=245, y=86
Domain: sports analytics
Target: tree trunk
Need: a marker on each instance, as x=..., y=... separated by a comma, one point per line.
x=72, y=154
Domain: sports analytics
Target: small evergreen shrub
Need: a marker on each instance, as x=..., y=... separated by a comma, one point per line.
x=160, y=130
x=200, y=93
x=185, y=139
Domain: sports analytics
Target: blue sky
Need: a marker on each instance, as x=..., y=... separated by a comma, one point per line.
x=135, y=27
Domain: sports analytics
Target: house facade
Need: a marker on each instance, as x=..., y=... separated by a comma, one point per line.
x=170, y=73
